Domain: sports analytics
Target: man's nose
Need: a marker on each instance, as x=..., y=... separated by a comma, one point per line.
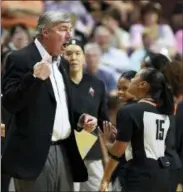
x=73, y=56
x=69, y=35
x=120, y=91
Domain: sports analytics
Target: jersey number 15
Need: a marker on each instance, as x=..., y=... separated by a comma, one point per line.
x=159, y=129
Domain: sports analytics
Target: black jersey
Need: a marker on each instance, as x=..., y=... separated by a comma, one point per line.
x=90, y=97
x=145, y=129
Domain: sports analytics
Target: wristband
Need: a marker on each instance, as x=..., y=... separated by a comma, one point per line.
x=116, y=158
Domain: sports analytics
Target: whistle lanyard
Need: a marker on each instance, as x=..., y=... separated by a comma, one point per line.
x=155, y=105
x=147, y=101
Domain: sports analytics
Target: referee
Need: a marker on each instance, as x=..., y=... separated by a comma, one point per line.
x=173, y=72
x=142, y=130
x=89, y=97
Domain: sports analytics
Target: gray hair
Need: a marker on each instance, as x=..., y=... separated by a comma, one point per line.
x=92, y=47
x=50, y=18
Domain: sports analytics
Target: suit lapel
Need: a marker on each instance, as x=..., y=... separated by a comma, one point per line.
x=37, y=58
x=50, y=88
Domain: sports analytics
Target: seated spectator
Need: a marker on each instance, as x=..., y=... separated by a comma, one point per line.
x=138, y=56
x=96, y=9
x=17, y=38
x=93, y=66
x=179, y=41
x=176, y=17
x=115, y=59
x=119, y=37
x=26, y=12
x=162, y=33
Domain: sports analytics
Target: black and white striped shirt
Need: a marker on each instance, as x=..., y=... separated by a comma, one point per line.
x=145, y=130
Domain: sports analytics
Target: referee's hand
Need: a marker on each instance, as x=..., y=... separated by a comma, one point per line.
x=104, y=185
x=109, y=132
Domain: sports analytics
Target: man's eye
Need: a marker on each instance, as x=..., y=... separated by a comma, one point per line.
x=62, y=29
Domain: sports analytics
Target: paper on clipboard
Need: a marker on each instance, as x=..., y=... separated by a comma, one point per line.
x=85, y=142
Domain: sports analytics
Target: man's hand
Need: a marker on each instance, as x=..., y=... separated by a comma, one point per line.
x=88, y=122
x=42, y=69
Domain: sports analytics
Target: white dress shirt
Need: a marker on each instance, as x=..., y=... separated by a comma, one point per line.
x=61, y=127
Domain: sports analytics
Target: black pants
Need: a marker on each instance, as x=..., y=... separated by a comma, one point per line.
x=174, y=179
x=180, y=179
x=154, y=180
x=118, y=179
x=5, y=179
x=119, y=172
x=5, y=182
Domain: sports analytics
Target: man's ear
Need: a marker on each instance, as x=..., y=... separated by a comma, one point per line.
x=45, y=33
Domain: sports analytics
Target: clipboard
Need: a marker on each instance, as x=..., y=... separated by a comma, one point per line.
x=85, y=142
x=2, y=130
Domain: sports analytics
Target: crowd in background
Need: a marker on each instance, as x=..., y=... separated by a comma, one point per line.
x=119, y=34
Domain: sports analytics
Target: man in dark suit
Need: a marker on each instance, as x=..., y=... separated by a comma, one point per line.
x=40, y=152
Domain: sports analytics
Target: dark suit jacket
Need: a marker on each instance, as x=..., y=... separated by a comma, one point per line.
x=32, y=105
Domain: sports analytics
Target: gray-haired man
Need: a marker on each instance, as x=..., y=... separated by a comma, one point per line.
x=40, y=150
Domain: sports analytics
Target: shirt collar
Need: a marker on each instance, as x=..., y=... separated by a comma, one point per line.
x=12, y=46
x=44, y=53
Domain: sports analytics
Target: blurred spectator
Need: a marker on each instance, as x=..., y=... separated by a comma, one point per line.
x=179, y=41
x=115, y=59
x=26, y=12
x=96, y=9
x=139, y=55
x=92, y=55
x=83, y=22
x=162, y=33
x=17, y=38
x=129, y=11
x=176, y=18
x=119, y=37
